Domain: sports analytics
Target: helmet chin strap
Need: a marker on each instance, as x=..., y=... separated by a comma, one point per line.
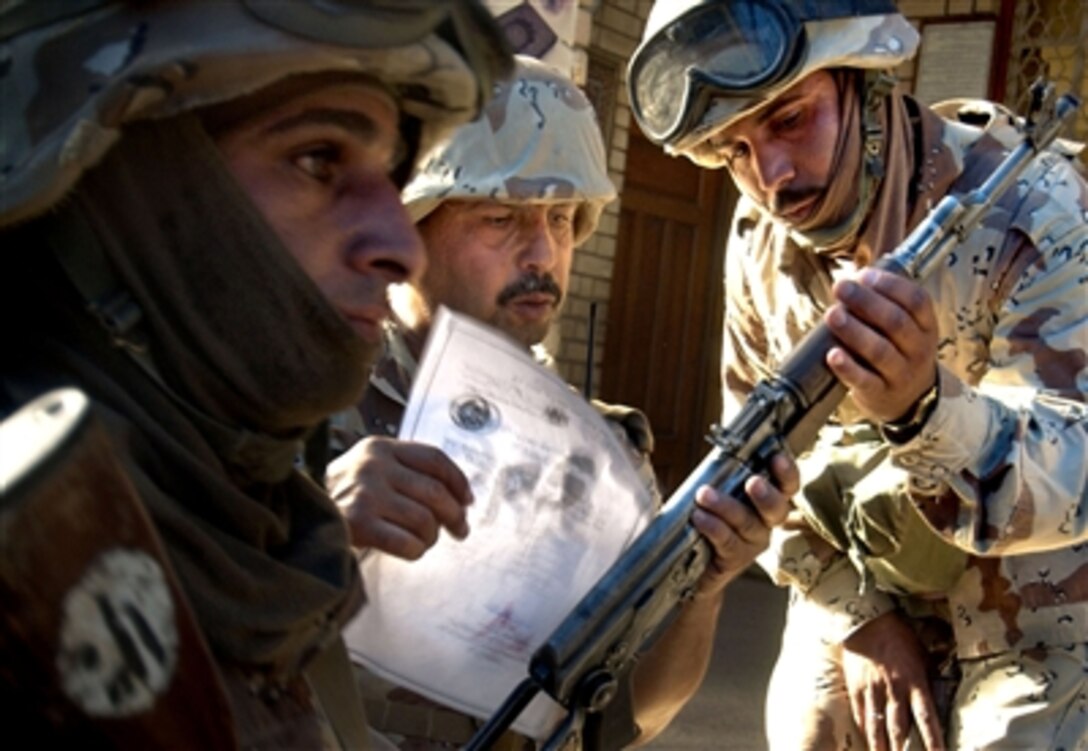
x=877, y=84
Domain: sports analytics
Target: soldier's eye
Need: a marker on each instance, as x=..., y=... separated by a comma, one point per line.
x=562, y=218
x=787, y=120
x=319, y=162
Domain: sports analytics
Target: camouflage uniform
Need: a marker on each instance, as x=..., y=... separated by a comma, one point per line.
x=974, y=528
x=998, y=470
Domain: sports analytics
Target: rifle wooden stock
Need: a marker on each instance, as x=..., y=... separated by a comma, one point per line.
x=99, y=647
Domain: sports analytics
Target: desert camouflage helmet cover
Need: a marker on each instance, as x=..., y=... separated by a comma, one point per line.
x=538, y=141
x=73, y=72
x=877, y=41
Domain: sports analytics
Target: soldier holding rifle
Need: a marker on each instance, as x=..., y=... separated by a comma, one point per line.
x=936, y=555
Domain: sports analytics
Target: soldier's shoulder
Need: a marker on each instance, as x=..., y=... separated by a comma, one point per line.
x=1052, y=199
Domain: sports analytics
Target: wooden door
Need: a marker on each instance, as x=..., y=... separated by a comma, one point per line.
x=664, y=316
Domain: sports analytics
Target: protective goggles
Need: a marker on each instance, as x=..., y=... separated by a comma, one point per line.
x=723, y=48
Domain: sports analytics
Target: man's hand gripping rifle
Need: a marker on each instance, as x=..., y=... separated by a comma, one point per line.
x=588, y=659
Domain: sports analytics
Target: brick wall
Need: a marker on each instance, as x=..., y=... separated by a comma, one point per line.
x=607, y=33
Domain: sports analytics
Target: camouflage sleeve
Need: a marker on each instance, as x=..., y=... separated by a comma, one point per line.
x=813, y=569
x=797, y=556
x=632, y=427
x=1002, y=467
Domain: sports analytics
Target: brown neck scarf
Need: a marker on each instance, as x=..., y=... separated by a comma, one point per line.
x=884, y=226
x=242, y=339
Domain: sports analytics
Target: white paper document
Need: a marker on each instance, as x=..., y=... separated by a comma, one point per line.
x=556, y=501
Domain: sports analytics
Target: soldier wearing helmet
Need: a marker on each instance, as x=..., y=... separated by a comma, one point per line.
x=941, y=526
x=200, y=206
x=501, y=207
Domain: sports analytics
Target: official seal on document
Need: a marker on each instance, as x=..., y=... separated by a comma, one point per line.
x=474, y=413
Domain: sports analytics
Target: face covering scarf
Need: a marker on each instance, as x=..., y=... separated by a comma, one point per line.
x=249, y=352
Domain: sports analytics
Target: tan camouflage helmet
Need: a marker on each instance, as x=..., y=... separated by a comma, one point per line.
x=703, y=64
x=73, y=72
x=538, y=141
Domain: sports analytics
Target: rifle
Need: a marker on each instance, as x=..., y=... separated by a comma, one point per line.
x=587, y=660
x=98, y=645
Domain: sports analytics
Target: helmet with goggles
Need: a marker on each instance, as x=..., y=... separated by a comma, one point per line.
x=703, y=64
x=77, y=71
x=538, y=141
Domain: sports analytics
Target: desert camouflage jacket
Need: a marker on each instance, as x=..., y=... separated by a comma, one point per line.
x=999, y=470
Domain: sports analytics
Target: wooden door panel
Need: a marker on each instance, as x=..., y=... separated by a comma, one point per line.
x=664, y=318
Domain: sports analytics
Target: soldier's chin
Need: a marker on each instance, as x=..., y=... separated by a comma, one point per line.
x=797, y=214
x=525, y=333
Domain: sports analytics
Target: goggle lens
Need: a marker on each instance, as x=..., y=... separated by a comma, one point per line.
x=732, y=47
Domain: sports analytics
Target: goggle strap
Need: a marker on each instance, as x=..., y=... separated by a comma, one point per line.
x=878, y=85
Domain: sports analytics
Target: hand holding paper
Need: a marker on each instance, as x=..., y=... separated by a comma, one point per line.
x=556, y=501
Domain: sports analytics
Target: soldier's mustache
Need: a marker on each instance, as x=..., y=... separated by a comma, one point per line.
x=785, y=201
x=529, y=284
